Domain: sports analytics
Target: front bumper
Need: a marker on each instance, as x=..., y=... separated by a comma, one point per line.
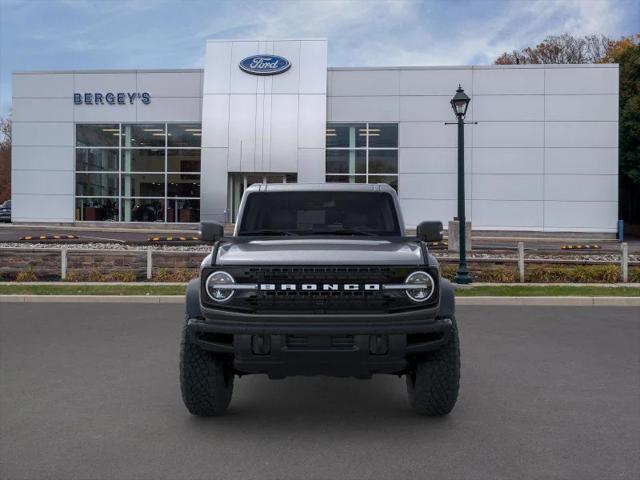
x=349, y=346
x=225, y=321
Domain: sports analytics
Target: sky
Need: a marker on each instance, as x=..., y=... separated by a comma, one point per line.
x=108, y=34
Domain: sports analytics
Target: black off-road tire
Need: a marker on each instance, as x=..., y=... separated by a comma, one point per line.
x=434, y=380
x=206, y=381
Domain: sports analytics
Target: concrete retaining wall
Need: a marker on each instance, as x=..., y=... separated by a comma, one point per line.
x=46, y=264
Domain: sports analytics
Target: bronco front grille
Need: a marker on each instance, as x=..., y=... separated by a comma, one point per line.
x=322, y=274
x=336, y=301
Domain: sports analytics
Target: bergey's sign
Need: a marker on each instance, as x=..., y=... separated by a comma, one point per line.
x=110, y=98
x=265, y=64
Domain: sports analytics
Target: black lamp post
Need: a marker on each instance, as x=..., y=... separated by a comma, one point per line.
x=460, y=103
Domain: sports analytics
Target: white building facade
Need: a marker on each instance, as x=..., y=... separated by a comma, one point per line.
x=177, y=146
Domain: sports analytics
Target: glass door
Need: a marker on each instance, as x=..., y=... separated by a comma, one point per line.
x=238, y=183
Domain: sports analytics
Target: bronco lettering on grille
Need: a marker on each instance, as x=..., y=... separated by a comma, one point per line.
x=326, y=287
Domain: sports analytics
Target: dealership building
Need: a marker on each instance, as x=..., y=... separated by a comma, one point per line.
x=178, y=146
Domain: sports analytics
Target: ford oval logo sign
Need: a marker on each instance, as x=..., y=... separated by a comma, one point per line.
x=265, y=64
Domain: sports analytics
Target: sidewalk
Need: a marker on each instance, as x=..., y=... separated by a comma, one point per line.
x=585, y=301
x=460, y=301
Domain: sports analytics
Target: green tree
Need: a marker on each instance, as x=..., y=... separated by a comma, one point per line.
x=626, y=53
x=600, y=49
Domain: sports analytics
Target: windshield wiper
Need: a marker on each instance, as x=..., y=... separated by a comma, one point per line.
x=267, y=231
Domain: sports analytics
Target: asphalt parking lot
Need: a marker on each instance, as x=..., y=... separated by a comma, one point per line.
x=91, y=391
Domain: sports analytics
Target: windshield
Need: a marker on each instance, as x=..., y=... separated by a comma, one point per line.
x=319, y=213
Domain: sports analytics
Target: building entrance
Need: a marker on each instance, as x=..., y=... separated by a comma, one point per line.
x=238, y=183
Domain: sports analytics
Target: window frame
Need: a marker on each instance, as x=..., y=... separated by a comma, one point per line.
x=120, y=198
x=366, y=148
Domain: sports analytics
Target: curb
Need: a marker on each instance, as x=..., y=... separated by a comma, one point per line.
x=123, y=299
x=540, y=284
x=470, y=301
x=550, y=301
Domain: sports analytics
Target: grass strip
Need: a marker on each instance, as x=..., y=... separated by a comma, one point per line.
x=484, y=290
x=105, y=289
x=547, y=291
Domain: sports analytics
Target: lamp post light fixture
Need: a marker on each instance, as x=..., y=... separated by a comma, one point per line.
x=460, y=103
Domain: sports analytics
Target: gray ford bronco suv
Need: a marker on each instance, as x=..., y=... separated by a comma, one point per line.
x=320, y=279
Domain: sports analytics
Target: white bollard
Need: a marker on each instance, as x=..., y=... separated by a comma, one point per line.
x=63, y=263
x=521, y=261
x=625, y=262
x=149, y=262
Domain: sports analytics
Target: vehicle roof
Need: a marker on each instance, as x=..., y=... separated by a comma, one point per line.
x=321, y=187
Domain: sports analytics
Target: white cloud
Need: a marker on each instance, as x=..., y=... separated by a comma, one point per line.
x=591, y=16
x=360, y=32
x=405, y=32
x=172, y=34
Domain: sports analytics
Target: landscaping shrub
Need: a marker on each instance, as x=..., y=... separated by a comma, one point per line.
x=495, y=273
x=480, y=272
x=572, y=273
x=121, y=276
x=96, y=275
x=27, y=275
x=159, y=275
x=538, y=273
x=448, y=271
x=75, y=277
x=484, y=272
x=174, y=274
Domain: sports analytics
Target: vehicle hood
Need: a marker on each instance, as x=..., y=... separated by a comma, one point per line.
x=324, y=251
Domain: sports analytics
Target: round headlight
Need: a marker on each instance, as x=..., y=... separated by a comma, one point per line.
x=215, y=286
x=422, y=279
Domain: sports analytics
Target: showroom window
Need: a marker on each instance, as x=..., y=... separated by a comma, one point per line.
x=138, y=172
x=362, y=153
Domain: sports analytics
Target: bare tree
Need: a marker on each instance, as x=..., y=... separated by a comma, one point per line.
x=560, y=49
x=5, y=159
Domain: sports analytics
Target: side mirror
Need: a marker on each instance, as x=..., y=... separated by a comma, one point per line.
x=429, y=231
x=211, y=232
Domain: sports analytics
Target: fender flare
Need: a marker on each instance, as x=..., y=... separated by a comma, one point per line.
x=193, y=299
x=447, y=300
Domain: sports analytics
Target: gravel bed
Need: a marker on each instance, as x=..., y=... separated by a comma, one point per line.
x=107, y=246
x=445, y=255
x=606, y=257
